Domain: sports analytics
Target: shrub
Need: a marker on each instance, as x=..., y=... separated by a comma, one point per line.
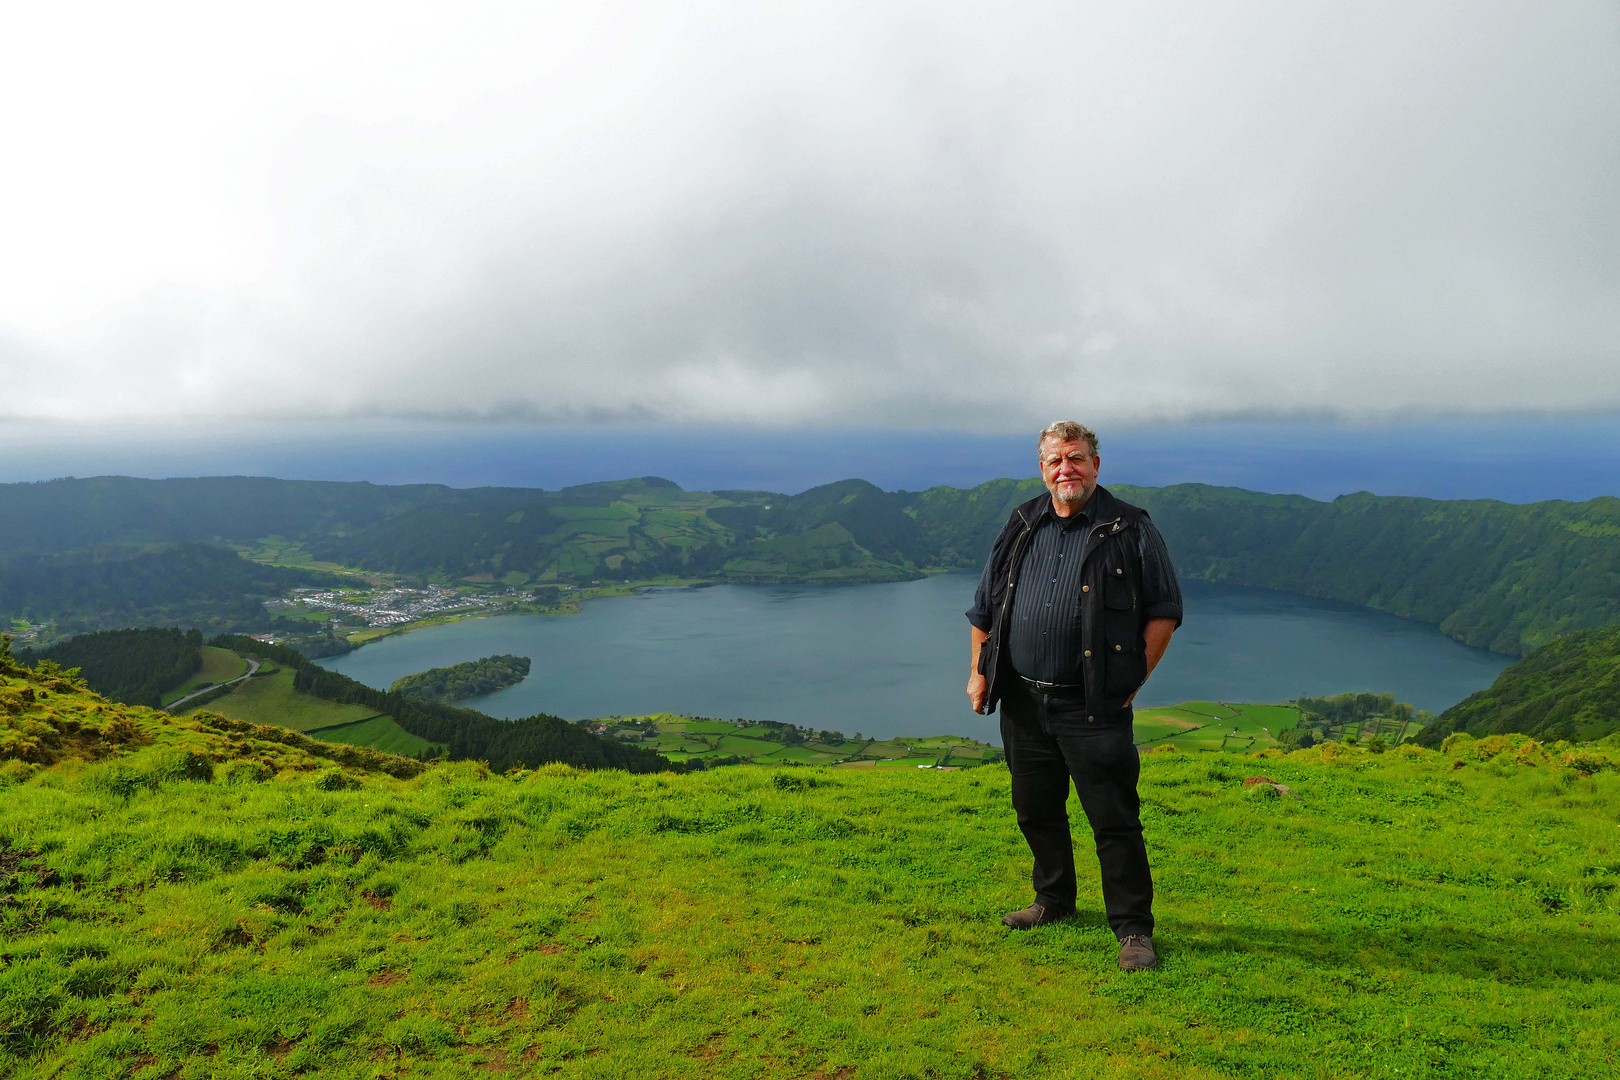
x=248, y=771
x=336, y=780
x=1456, y=742
x=1376, y=745
x=184, y=765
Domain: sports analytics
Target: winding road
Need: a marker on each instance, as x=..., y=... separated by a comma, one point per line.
x=253, y=667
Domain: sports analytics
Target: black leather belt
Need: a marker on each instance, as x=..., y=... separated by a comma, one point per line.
x=1054, y=687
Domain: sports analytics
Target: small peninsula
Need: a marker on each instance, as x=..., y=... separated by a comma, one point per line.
x=457, y=682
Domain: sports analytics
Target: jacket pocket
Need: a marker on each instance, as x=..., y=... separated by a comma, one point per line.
x=1117, y=595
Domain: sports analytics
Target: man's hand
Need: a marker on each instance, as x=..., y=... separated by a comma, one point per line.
x=978, y=687
x=1156, y=638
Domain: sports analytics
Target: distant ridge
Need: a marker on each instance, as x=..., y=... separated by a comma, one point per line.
x=1502, y=576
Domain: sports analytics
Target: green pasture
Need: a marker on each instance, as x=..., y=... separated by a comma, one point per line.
x=1412, y=915
x=380, y=733
x=1385, y=727
x=1213, y=725
x=272, y=700
x=218, y=665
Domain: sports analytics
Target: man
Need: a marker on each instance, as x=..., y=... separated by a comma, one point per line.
x=1075, y=609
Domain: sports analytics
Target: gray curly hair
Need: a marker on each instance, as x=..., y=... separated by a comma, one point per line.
x=1066, y=431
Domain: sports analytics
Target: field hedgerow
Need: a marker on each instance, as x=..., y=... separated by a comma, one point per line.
x=1412, y=914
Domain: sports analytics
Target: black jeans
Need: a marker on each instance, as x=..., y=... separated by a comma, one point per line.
x=1048, y=743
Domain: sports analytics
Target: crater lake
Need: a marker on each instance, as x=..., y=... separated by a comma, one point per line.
x=892, y=659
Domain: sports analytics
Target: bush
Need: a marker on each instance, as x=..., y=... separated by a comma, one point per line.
x=248, y=771
x=1376, y=745
x=336, y=780
x=184, y=765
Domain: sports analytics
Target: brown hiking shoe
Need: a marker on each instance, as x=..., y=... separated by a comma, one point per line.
x=1031, y=917
x=1136, y=953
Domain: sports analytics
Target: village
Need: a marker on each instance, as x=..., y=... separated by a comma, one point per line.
x=395, y=606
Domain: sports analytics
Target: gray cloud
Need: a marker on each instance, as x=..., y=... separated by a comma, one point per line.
x=760, y=213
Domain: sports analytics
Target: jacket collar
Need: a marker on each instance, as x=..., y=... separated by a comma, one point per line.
x=1101, y=507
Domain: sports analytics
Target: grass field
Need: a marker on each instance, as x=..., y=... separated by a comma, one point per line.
x=271, y=699
x=218, y=665
x=1405, y=918
x=196, y=897
x=380, y=733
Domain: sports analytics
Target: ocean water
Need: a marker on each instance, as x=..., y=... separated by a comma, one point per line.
x=1516, y=460
x=892, y=659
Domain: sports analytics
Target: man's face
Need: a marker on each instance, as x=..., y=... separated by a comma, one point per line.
x=1070, y=470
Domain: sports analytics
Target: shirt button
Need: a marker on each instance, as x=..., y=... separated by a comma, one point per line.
x=1118, y=648
x=1088, y=652
x=1085, y=588
x=1091, y=719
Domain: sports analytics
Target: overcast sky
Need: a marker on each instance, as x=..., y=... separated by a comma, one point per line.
x=980, y=216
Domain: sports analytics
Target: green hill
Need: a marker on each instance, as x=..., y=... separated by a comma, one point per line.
x=198, y=897
x=1568, y=689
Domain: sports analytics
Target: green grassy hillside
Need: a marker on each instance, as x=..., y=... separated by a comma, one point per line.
x=216, y=666
x=1569, y=689
x=381, y=733
x=271, y=699
x=189, y=899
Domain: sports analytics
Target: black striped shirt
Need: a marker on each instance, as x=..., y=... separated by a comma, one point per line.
x=1043, y=638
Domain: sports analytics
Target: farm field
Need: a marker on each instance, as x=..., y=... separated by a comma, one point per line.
x=271, y=699
x=1387, y=728
x=218, y=665
x=379, y=733
x=1214, y=725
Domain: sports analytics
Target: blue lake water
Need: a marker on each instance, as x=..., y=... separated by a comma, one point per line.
x=891, y=659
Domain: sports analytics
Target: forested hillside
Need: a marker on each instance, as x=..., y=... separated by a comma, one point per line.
x=132, y=666
x=1567, y=689
x=1497, y=575
x=1507, y=577
x=190, y=584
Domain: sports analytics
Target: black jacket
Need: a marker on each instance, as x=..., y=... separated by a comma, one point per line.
x=1114, y=605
